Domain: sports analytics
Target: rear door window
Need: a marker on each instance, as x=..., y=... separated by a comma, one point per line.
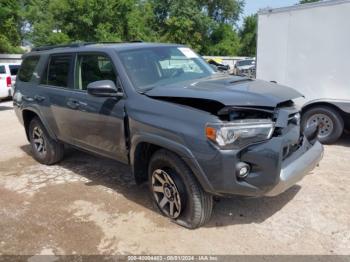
x=28, y=67
x=58, y=70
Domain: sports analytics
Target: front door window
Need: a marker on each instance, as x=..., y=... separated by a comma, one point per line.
x=91, y=68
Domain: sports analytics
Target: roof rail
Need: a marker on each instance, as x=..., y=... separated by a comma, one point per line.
x=112, y=42
x=48, y=47
x=78, y=44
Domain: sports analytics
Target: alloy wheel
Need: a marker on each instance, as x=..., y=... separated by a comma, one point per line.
x=39, y=140
x=166, y=193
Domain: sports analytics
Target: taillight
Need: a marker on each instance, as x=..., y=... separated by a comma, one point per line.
x=8, y=81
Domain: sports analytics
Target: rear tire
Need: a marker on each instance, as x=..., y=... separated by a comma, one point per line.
x=45, y=150
x=172, y=183
x=329, y=121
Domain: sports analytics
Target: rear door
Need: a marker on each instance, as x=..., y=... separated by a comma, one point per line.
x=57, y=85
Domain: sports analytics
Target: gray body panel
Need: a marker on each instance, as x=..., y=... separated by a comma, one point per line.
x=114, y=127
x=229, y=90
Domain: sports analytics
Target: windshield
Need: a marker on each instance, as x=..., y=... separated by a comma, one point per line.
x=150, y=67
x=245, y=62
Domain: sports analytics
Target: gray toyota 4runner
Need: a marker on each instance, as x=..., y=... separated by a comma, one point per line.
x=189, y=132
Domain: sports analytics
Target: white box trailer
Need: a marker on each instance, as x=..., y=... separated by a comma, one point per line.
x=307, y=47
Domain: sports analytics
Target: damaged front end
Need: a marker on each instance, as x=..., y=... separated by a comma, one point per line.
x=240, y=126
x=253, y=145
x=250, y=125
x=261, y=148
x=268, y=148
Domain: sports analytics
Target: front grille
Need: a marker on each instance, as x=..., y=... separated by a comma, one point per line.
x=247, y=72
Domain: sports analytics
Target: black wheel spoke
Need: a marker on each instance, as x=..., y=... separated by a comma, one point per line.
x=159, y=179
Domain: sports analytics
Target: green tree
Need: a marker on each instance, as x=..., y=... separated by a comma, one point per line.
x=205, y=25
x=248, y=36
x=224, y=41
x=223, y=11
x=62, y=21
x=208, y=26
x=10, y=27
x=183, y=22
x=223, y=37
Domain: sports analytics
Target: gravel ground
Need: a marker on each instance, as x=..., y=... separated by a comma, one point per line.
x=91, y=205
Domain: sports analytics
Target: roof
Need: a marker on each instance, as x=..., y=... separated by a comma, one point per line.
x=302, y=6
x=75, y=47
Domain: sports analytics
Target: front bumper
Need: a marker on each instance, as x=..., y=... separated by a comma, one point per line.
x=293, y=171
x=275, y=166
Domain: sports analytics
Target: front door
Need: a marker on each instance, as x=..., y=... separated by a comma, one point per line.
x=100, y=122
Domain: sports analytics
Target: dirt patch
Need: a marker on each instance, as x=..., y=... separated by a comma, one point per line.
x=91, y=205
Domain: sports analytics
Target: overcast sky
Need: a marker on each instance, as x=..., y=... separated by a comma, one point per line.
x=252, y=6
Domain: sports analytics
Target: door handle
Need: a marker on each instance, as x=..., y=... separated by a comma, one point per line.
x=74, y=104
x=39, y=98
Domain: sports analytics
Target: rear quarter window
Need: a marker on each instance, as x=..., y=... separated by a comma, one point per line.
x=27, y=68
x=2, y=70
x=14, y=69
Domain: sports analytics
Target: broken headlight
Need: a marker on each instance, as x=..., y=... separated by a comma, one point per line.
x=239, y=133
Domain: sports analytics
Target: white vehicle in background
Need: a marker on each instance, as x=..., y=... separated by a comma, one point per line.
x=245, y=67
x=8, y=74
x=306, y=47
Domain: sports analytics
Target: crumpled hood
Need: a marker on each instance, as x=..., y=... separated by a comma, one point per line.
x=228, y=90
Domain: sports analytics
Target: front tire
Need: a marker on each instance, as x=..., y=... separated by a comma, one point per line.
x=45, y=150
x=176, y=192
x=329, y=121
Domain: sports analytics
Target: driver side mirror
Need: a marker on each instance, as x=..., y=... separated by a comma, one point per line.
x=104, y=88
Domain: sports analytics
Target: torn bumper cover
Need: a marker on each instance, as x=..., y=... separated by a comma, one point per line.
x=294, y=171
x=271, y=172
x=275, y=164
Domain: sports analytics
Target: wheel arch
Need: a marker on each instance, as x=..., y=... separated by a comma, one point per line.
x=343, y=108
x=320, y=103
x=144, y=146
x=28, y=115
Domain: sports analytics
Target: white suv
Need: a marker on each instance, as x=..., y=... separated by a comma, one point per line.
x=8, y=74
